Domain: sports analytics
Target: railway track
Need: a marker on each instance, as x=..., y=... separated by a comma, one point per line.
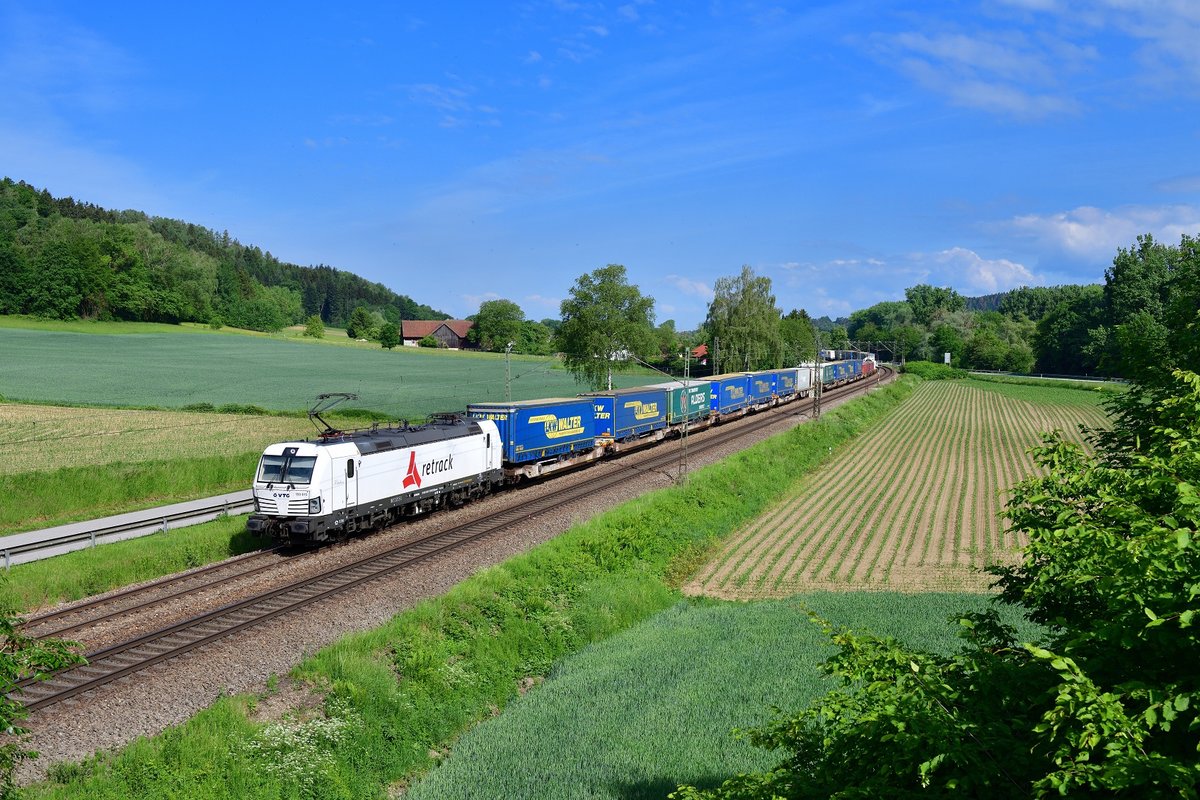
x=137, y=654
x=111, y=606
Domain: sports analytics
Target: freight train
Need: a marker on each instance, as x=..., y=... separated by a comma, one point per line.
x=347, y=482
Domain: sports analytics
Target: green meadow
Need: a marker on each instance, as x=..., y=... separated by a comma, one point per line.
x=168, y=368
x=631, y=717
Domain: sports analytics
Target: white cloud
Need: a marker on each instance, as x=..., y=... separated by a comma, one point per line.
x=967, y=270
x=690, y=287
x=1096, y=234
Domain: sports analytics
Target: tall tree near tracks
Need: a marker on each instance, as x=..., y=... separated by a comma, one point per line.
x=604, y=320
x=744, y=316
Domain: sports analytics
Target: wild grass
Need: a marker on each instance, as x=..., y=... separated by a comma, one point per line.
x=412, y=686
x=45, y=438
x=633, y=716
x=35, y=500
x=82, y=573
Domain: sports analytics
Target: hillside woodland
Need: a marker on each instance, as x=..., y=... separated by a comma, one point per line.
x=65, y=259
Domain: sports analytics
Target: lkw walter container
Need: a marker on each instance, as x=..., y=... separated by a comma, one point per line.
x=730, y=392
x=761, y=387
x=787, y=383
x=625, y=414
x=687, y=404
x=533, y=430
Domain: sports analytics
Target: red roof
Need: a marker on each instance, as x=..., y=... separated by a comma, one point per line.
x=420, y=328
x=700, y=352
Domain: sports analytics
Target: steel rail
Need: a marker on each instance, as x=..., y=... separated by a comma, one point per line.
x=119, y=660
x=157, y=585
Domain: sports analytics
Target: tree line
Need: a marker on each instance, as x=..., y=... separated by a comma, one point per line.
x=63, y=259
x=1151, y=293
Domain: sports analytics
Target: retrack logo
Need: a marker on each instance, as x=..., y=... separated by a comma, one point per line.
x=412, y=477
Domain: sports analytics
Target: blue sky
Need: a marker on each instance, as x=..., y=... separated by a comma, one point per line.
x=458, y=152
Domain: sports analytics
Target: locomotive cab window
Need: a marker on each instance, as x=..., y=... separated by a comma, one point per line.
x=350, y=468
x=287, y=469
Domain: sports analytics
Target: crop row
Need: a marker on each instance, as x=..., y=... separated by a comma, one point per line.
x=915, y=506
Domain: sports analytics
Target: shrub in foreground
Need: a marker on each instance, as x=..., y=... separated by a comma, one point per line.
x=1110, y=705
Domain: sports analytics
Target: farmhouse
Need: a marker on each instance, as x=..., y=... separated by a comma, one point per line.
x=451, y=333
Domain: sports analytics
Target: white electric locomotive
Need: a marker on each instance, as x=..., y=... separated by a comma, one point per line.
x=350, y=481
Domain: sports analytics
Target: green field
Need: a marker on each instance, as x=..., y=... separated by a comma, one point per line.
x=654, y=706
x=188, y=366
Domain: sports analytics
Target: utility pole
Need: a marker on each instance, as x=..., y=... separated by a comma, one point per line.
x=685, y=400
x=508, y=373
x=817, y=372
x=716, y=355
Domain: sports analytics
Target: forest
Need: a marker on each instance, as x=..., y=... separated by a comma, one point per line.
x=65, y=259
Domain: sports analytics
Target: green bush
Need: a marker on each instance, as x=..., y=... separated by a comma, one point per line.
x=933, y=372
x=429, y=341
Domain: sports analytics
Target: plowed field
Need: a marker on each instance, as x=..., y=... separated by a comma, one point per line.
x=913, y=506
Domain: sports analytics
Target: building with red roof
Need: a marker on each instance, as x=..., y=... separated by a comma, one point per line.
x=451, y=333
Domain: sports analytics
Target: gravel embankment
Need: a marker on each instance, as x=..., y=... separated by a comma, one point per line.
x=148, y=702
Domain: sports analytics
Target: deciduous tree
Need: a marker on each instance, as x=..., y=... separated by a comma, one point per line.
x=389, y=335
x=603, y=321
x=744, y=317
x=498, y=323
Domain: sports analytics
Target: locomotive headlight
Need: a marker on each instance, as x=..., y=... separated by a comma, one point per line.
x=314, y=505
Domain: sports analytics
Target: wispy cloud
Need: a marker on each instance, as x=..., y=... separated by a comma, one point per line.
x=1001, y=72
x=51, y=66
x=476, y=300
x=539, y=301
x=689, y=286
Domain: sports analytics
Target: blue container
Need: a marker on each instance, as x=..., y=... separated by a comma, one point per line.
x=533, y=430
x=786, y=382
x=623, y=414
x=760, y=386
x=730, y=392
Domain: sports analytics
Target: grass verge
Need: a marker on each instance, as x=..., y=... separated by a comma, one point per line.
x=396, y=696
x=101, y=569
x=35, y=500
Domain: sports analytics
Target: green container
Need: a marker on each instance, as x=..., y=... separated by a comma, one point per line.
x=688, y=403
